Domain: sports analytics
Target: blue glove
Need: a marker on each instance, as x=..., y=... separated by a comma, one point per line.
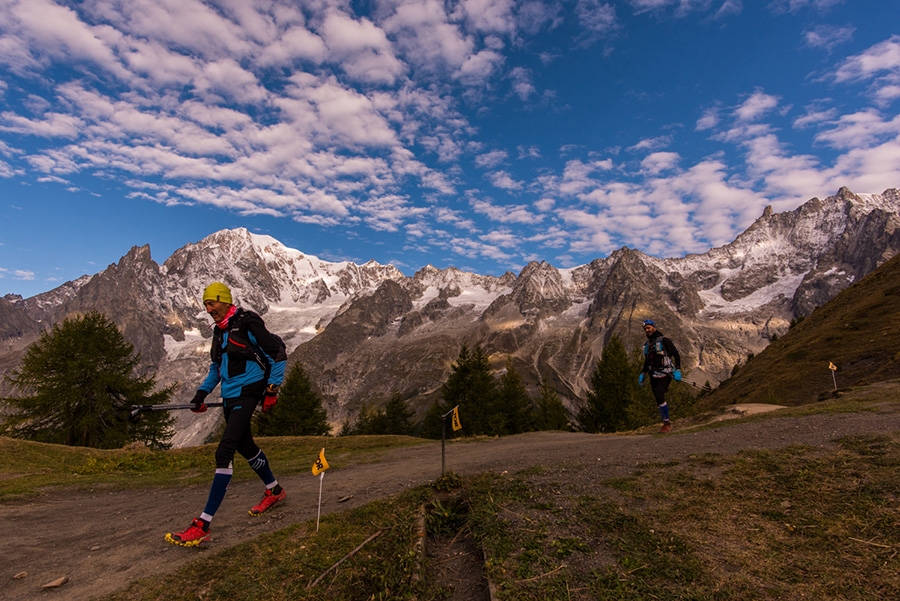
x=677, y=375
x=641, y=380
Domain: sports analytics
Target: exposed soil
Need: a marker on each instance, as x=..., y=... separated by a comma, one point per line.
x=102, y=540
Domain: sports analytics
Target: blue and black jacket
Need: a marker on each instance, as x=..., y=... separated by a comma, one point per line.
x=245, y=357
x=661, y=358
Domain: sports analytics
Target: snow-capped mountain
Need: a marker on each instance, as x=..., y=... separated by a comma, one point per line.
x=365, y=331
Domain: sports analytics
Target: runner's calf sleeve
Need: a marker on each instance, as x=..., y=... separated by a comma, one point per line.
x=260, y=465
x=664, y=412
x=217, y=491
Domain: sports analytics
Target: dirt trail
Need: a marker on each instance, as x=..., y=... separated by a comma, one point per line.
x=103, y=540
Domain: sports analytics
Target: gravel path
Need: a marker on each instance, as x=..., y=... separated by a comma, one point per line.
x=103, y=540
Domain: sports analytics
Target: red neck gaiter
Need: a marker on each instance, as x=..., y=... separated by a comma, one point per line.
x=224, y=323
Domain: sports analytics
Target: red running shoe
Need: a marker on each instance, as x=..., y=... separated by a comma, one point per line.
x=667, y=427
x=269, y=501
x=192, y=536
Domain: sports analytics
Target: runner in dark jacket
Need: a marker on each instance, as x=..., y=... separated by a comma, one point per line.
x=663, y=364
x=249, y=363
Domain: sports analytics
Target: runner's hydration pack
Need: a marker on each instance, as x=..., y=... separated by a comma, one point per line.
x=241, y=345
x=666, y=368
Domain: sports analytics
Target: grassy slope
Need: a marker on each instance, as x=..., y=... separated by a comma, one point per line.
x=858, y=331
x=26, y=467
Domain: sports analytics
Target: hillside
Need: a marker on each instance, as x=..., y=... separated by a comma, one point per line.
x=857, y=331
x=566, y=484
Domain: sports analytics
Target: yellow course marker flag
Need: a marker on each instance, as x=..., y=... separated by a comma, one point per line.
x=456, y=424
x=321, y=463
x=832, y=366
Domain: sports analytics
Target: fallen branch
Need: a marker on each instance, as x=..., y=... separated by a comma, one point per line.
x=866, y=542
x=538, y=577
x=345, y=558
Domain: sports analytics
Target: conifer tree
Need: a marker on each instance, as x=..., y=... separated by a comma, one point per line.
x=394, y=418
x=473, y=388
x=78, y=384
x=431, y=423
x=397, y=416
x=299, y=411
x=550, y=413
x=513, y=403
x=612, y=386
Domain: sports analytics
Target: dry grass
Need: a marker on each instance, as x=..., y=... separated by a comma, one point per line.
x=798, y=523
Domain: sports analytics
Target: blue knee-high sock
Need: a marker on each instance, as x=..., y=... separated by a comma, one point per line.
x=217, y=492
x=260, y=465
x=664, y=411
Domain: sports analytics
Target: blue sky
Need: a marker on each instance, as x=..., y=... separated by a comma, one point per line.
x=481, y=134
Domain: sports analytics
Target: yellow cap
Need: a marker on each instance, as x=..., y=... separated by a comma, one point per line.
x=217, y=291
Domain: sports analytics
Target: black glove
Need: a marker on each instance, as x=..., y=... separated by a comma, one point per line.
x=271, y=397
x=198, y=405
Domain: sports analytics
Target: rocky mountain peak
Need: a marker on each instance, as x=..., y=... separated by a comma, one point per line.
x=365, y=331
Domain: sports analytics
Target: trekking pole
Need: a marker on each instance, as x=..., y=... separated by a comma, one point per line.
x=135, y=409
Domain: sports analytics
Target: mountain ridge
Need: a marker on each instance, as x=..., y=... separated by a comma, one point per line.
x=366, y=331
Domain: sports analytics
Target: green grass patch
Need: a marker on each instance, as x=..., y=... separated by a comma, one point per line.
x=27, y=467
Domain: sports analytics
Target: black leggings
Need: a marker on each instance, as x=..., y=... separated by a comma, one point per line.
x=660, y=386
x=238, y=435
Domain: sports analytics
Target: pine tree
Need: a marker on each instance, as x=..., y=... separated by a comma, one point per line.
x=550, y=413
x=397, y=416
x=432, y=423
x=394, y=418
x=472, y=387
x=611, y=392
x=513, y=403
x=299, y=411
x=78, y=384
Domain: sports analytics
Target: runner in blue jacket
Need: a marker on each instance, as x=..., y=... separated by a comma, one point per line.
x=663, y=364
x=248, y=361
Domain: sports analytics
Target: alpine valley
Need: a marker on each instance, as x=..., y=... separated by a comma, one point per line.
x=363, y=332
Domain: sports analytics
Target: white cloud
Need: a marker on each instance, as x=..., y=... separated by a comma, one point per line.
x=828, y=37
x=651, y=144
x=479, y=67
x=506, y=213
x=660, y=161
x=522, y=83
x=708, y=120
x=46, y=30
x=504, y=181
x=489, y=160
x=881, y=57
x=529, y=152
x=755, y=106
x=859, y=130
x=361, y=48
x=51, y=125
x=297, y=43
x=424, y=35
x=488, y=16
x=815, y=115
x=596, y=17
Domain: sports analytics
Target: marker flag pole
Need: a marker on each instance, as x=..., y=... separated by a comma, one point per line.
x=319, y=508
x=833, y=369
x=456, y=426
x=318, y=469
